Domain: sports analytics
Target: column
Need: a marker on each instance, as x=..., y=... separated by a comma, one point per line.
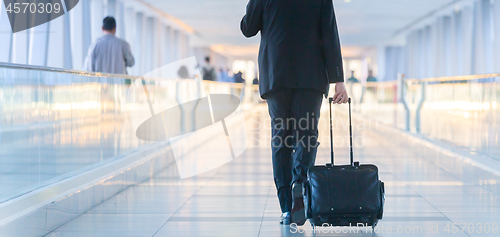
x=148, y=55
x=39, y=43
x=67, y=53
x=55, y=45
x=468, y=40
x=429, y=52
x=20, y=46
x=189, y=49
x=176, y=45
x=130, y=22
x=381, y=63
x=447, y=42
x=138, y=49
x=180, y=45
x=164, y=44
x=390, y=64
x=157, y=35
x=120, y=21
x=420, y=54
x=96, y=16
x=477, y=40
x=496, y=36
x=170, y=44
x=6, y=37
x=439, y=47
x=86, y=28
x=111, y=8
x=410, y=55
x=435, y=57
x=487, y=32
x=77, y=35
x=458, y=44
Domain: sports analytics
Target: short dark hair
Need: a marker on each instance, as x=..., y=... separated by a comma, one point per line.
x=109, y=23
x=207, y=59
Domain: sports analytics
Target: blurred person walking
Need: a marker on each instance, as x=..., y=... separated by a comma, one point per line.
x=371, y=78
x=230, y=76
x=353, y=79
x=238, y=77
x=109, y=54
x=224, y=76
x=299, y=58
x=209, y=73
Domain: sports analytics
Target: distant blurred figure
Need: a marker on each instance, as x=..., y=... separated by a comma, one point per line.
x=238, y=77
x=109, y=54
x=221, y=77
x=353, y=79
x=371, y=78
x=183, y=72
x=224, y=76
x=255, y=81
x=209, y=73
x=230, y=76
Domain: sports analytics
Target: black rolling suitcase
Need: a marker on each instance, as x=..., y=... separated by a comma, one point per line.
x=347, y=195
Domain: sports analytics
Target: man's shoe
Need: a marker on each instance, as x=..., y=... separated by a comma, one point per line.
x=298, y=213
x=285, y=218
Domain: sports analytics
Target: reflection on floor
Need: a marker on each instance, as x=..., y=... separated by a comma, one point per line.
x=239, y=199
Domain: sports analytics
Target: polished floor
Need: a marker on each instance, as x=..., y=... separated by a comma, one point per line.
x=423, y=197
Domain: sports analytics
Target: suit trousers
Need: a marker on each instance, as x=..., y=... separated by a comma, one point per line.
x=294, y=120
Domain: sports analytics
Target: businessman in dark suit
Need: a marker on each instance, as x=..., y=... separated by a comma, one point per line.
x=299, y=58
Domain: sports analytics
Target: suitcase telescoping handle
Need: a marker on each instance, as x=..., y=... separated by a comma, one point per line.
x=331, y=133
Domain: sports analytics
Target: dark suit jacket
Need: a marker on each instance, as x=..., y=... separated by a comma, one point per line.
x=300, y=46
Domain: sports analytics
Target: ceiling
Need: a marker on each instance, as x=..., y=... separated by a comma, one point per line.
x=362, y=23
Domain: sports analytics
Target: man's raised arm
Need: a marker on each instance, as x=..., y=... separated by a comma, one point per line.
x=251, y=23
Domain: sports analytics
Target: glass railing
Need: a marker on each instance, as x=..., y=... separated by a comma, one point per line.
x=55, y=123
x=461, y=111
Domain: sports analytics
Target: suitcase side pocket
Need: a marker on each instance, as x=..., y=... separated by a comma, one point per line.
x=319, y=192
x=382, y=200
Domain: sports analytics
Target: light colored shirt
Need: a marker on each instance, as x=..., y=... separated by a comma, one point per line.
x=353, y=80
x=109, y=55
x=223, y=77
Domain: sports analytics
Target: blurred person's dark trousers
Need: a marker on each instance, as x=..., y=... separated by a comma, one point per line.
x=294, y=120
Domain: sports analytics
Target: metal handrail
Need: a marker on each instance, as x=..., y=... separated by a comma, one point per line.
x=67, y=71
x=98, y=74
x=376, y=83
x=454, y=78
x=424, y=83
x=232, y=84
x=434, y=79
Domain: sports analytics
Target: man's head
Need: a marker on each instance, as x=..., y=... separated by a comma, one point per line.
x=370, y=73
x=352, y=73
x=109, y=25
x=207, y=59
